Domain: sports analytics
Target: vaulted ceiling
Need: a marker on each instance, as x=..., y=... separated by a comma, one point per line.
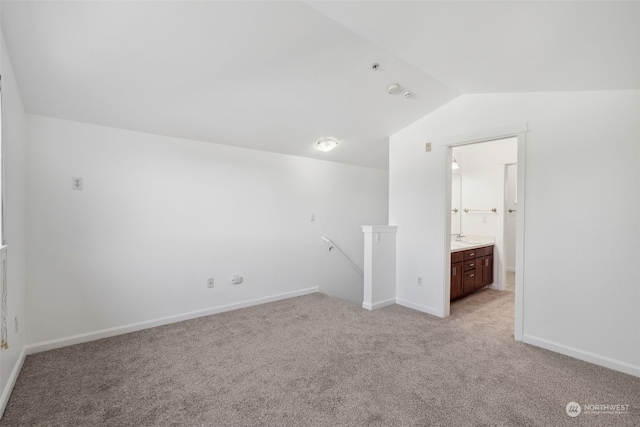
x=279, y=75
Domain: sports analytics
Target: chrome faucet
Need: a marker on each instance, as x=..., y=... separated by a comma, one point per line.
x=459, y=237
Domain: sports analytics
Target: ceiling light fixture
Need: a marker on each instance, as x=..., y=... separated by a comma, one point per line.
x=327, y=144
x=455, y=165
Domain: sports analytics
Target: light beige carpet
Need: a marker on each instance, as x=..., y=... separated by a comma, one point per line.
x=317, y=361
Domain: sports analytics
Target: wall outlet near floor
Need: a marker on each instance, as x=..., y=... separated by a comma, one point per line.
x=210, y=283
x=419, y=280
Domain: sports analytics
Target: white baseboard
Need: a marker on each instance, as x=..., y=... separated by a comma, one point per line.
x=596, y=359
x=6, y=393
x=378, y=304
x=106, y=333
x=419, y=307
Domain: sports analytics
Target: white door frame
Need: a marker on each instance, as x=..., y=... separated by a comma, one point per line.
x=518, y=130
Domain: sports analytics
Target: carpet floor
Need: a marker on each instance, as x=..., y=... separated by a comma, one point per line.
x=318, y=361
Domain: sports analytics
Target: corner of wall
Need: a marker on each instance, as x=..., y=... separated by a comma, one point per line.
x=14, y=151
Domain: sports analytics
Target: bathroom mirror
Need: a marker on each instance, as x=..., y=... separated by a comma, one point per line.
x=456, y=203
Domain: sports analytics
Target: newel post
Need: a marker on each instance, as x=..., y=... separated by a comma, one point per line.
x=379, y=266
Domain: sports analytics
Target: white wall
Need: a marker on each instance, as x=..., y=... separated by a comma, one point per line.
x=581, y=294
x=14, y=143
x=456, y=203
x=160, y=215
x=510, y=223
x=482, y=172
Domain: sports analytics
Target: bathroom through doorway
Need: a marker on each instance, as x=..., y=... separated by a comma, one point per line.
x=486, y=212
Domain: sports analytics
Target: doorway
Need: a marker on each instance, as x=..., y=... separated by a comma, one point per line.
x=483, y=181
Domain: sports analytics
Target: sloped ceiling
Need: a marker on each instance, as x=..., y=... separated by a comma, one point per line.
x=277, y=76
x=505, y=46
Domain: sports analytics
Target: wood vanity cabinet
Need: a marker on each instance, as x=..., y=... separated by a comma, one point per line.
x=471, y=270
x=457, y=272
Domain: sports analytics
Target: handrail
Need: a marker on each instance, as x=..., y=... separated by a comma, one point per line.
x=333, y=246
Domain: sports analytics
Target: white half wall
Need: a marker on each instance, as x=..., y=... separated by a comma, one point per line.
x=379, y=266
x=581, y=222
x=158, y=216
x=14, y=142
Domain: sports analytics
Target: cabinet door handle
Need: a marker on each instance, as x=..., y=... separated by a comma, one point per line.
x=486, y=263
x=471, y=265
x=473, y=254
x=454, y=271
x=471, y=275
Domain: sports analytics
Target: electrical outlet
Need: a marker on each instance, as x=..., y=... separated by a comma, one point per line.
x=76, y=183
x=419, y=280
x=210, y=283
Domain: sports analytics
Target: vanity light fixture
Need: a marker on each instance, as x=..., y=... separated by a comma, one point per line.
x=327, y=144
x=455, y=165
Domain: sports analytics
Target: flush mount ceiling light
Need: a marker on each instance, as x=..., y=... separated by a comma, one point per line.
x=455, y=165
x=327, y=144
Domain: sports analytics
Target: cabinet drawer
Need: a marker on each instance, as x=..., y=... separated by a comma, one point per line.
x=470, y=265
x=487, y=250
x=469, y=281
x=457, y=257
x=470, y=254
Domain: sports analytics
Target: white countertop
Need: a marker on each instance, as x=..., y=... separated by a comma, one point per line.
x=470, y=242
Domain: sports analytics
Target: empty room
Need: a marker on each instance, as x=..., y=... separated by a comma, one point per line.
x=319, y=213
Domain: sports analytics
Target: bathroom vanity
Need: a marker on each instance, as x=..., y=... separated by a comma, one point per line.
x=471, y=268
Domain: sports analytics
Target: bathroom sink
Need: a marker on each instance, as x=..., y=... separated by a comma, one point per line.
x=464, y=244
x=470, y=242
